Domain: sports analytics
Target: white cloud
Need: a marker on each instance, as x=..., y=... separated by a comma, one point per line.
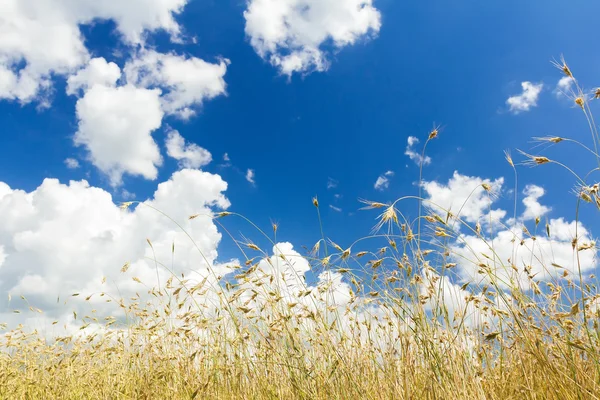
x=2, y=256
x=63, y=238
x=39, y=38
x=226, y=157
x=127, y=195
x=116, y=122
x=115, y=126
x=186, y=82
x=466, y=197
x=71, y=163
x=250, y=176
x=527, y=99
x=564, y=86
x=189, y=155
x=292, y=34
x=463, y=196
x=334, y=208
x=382, y=183
x=97, y=72
x=537, y=254
x=413, y=155
x=533, y=208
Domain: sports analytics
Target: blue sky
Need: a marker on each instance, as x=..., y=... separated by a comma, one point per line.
x=453, y=64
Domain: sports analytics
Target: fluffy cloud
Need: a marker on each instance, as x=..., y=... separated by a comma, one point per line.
x=507, y=252
x=511, y=255
x=527, y=99
x=116, y=122
x=292, y=34
x=39, y=38
x=413, y=155
x=533, y=208
x=187, y=82
x=71, y=163
x=564, y=86
x=189, y=155
x=97, y=72
x=383, y=181
x=115, y=126
x=463, y=196
x=64, y=238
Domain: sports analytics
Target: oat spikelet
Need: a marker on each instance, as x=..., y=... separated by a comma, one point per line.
x=372, y=204
x=434, y=133
x=562, y=65
x=315, y=201
x=389, y=216
x=125, y=205
x=509, y=158
x=252, y=246
x=549, y=139
x=346, y=253
x=587, y=246
x=534, y=160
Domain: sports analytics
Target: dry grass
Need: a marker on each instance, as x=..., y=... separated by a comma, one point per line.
x=387, y=331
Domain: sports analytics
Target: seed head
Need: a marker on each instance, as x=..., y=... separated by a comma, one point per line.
x=372, y=204
x=509, y=158
x=346, y=253
x=580, y=101
x=125, y=205
x=586, y=197
x=534, y=160
x=252, y=246
x=315, y=202
x=597, y=94
x=562, y=65
x=434, y=133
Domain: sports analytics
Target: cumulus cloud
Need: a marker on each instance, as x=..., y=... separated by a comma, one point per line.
x=513, y=255
x=383, y=181
x=250, y=176
x=64, y=238
x=72, y=163
x=527, y=99
x=533, y=208
x=463, y=196
x=186, y=82
x=41, y=38
x=189, y=155
x=508, y=251
x=292, y=34
x=116, y=125
x=413, y=155
x=564, y=86
x=97, y=72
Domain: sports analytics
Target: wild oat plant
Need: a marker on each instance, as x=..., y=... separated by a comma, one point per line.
x=390, y=323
